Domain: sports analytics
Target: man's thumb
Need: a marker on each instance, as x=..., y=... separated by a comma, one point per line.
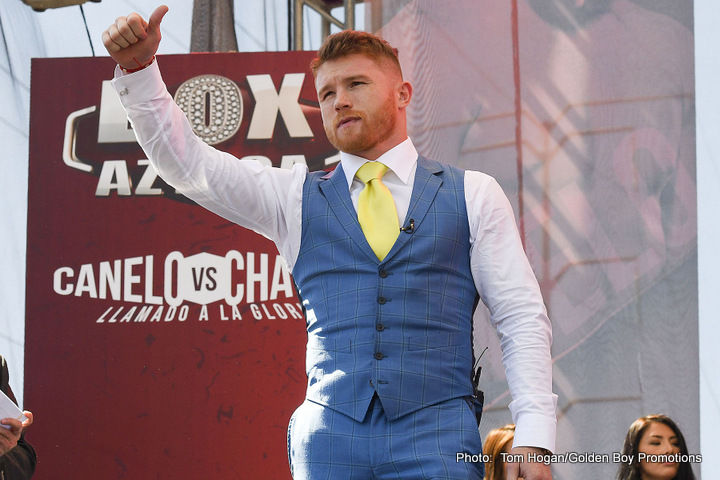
x=156, y=17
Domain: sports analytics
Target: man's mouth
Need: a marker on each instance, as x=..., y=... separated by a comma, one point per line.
x=346, y=121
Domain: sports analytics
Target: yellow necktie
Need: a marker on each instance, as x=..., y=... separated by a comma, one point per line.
x=376, y=209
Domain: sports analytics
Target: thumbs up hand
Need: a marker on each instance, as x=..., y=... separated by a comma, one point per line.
x=131, y=41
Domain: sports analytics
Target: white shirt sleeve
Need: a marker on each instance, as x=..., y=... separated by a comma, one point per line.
x=508, y=287
x=264, y=199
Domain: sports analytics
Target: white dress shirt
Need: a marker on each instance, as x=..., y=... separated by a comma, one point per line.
x=269, y=201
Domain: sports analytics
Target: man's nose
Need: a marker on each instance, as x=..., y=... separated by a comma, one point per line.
x=342, y=99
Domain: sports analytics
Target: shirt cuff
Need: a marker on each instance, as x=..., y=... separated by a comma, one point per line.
x=139, y=87
x=532, y=430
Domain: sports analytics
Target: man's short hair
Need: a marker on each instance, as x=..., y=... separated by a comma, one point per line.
x=350, y=42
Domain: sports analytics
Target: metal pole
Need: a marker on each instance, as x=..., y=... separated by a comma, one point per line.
x=213, y=26
x=299, y=33
x=327, y=20
x=350, y=14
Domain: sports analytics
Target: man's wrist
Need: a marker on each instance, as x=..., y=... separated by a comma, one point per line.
x=541, y=450
x=140, y=66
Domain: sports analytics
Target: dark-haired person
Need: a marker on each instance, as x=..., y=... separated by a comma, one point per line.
x=651, y=438
x=17, y=456
x=389, y=313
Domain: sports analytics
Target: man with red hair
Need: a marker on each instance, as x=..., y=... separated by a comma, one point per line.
x=389, y=309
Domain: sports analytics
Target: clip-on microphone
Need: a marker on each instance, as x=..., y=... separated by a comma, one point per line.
x=410, y=228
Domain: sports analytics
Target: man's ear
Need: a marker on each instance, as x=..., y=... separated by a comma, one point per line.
x=404, y=94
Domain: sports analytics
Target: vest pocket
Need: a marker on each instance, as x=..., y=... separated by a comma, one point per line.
x=441, y=340
x=328, y=344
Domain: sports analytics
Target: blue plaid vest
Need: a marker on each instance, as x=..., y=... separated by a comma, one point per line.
x=401, y=327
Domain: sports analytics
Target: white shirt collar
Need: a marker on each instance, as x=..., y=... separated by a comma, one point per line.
x=401, y=159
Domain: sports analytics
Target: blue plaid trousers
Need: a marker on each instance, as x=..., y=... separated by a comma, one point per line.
x=427, y=444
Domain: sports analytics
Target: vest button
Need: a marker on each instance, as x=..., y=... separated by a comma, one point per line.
x=382, y=300
x=379, y=356
x=383, y=274
x=380, y=327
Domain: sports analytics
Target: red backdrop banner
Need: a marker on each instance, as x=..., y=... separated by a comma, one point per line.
x=162, y=341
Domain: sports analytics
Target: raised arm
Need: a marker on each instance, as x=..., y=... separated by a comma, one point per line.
x=264, y=199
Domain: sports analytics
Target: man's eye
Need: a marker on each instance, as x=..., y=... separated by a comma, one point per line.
x=327, y=95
